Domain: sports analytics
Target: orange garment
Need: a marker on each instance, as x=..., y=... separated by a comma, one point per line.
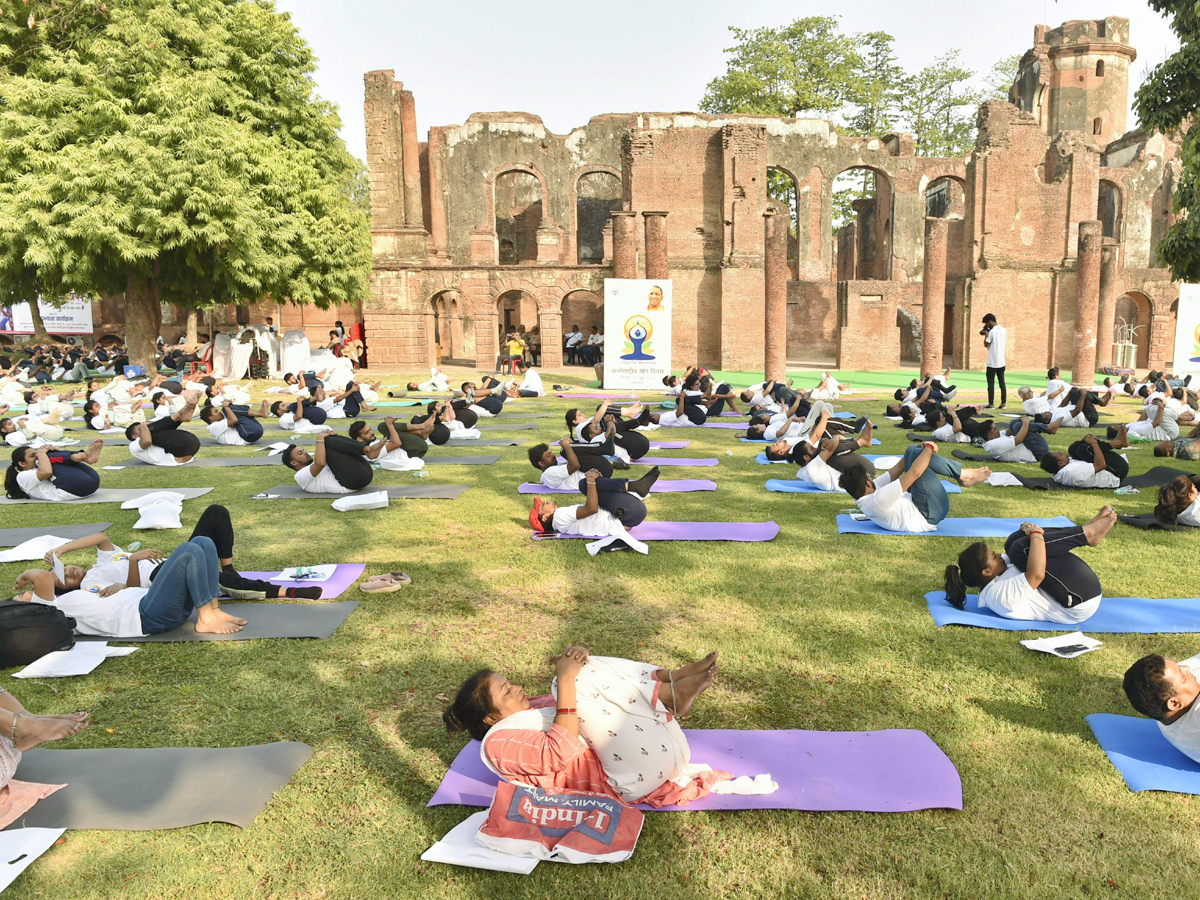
x=18, y=797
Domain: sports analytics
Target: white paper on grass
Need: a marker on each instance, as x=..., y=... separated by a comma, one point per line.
x=460, y=848
x=34, y=548
x=886, y=462
x=19, y=847
x=81, y=659
x=1068, y=646
x=60, y=570
x=319, y=573
x=1003, y=479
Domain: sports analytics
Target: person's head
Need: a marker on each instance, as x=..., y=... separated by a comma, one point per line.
x=672, y=380
x=1143, y=391
x=467, y=386
x=780, y=450
x=1178, y=394
x=210, y=414
x=542, y=457
x=296, y=457
x=8, y=426
x=270, y=321
x=290, y=378
x=990, y=433
x=1053, y=461
x=162, y=397
x=208, y=381
x=434, y=407
x=574, y=417
x=483, y=700
x=541, y=517
x=858, y=482
x=989, y=319
x=803, y=453
x=360, y=431
x=1173, y=498
x=592, y=430
x=277, y=408
x=29, y=396
x=1164, y=448
x=893, y=409
x=333, y=334
x=1025, y=392
x=1052, y=373
x=938, y=418
x=338, y=323
x=1160, y=688
x=977, y=565
x=900, y=393
x=756, y=432
x=413, y=386
x=691, y=382
x=204, y=338
x=656, y=297
x=23, y=459
x=746, y=396
x=574, y=327
x=131, y=430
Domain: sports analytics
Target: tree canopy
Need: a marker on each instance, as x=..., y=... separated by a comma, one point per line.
x=173, y=150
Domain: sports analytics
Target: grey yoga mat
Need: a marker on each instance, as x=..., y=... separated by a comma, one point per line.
x=395, y=491
x=118, y=495
x=503, y=426
x=11, y=537
x=263, y=620
x=163, y=787
x=461, y=460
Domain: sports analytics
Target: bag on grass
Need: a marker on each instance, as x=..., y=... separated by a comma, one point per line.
x=28, y=631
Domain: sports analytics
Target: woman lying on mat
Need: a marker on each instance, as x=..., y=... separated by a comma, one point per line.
x=54, y=475
x=340, y=465
x=608, y=726
x=21, y=730
x=1179, y=502
x=1182, y=447
x=187, y=580
x=1036, y=579
x=1164, y=690
x=115, y=568
x=627, y=418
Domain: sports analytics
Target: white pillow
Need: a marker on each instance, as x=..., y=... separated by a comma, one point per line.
x=152, y=498
x=159, y=516
x=373, y=500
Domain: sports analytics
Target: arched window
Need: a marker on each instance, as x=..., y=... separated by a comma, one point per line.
x=518, y=215
x=862, y=224
x=1097, y=125
x=1109, y=209
x=1100, y=68
x=597, y=194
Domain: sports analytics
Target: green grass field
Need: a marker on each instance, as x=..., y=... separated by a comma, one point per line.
x=815, y=631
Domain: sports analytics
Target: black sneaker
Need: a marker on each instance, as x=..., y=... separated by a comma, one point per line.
x=620, y=464
x=306, y=593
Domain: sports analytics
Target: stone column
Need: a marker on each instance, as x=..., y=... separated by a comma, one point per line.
x=551, y=325
x=1087, y=301
x=437, y=196
x=624, y=243
x=933, y=295
x=1107, y=323
x=775, y=267
x=656, y=244
x=414, y=215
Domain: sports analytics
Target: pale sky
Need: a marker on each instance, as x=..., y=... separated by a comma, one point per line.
x=567, y=62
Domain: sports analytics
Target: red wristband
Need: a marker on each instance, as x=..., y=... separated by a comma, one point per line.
x=565, y=712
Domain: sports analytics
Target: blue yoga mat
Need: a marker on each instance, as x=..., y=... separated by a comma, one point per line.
x=874, y=441
x=1145, y=759
x=781, y=486
x=1116, y=615
x=953, y=527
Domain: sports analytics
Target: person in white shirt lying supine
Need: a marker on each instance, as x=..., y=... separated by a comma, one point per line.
x=1037, y=578
x=339, y=466
x=1089, y=463
x=53, y=475
x=402, y=447
x=1179, y=502
x=1033, y=404
x=234, y=426
x=1156, y=422
x=1166, y=690
x=161, y=443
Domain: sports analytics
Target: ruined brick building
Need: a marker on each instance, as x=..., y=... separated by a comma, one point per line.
x=1050, y=223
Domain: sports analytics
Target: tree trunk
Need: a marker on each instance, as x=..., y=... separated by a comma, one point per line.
x=40, y=335
x=143, y=320
x=192, y=330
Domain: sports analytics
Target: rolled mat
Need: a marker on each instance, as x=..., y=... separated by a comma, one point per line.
x=164, y=787
x=781, y=486
x=1155, y=478
x=263, y=620
x=1148, y=521
x=869, y=771
x=1145, y=759
x=334, y=586
x=118, y=495
x=953, y=527
x=973, y=457
x=395, y=491
x=11, y=537
x=676, y=486
x=1116, y=615
x=690, y=531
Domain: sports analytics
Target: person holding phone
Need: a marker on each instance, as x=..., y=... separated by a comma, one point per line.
x=995, y=337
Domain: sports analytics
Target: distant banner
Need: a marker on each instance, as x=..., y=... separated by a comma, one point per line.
x=1187, y=330
x=637, y=332
x=73, y=317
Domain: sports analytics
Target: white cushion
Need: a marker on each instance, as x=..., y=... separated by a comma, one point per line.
x=373, y=500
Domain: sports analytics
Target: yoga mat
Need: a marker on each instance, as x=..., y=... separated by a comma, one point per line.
x=205, y=462
x=505, y=426
x=461, y=460
x=334, y=586
x=875, y=442
x=667, y=461
x=781, y=486
x=953, y=527
x=164, y=787
x=677, y=486
x=264, y=620
x=11, y=537
x=866, y=771
x=762, y=460
x=731, y=425
x=1145, y=759
x=395, y=491
x=1116, y=615
x=1148, y=521
x=669, y=445
x=1155, y=478
x=484, y=442
x=399, y=403
x=690, y=531
x=973, y=457
x=118, y=495
x=597, y=396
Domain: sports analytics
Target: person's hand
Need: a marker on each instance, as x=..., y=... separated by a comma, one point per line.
x=932, y=445
x=1089, y=438
x=22, y=580
x=111, y=589
x=227, y=403
x=830, y=443
x=563, y=442
x=570, y=662
x=147, y=553
x=391, y=420
x=1024, y=420
x=592, y=474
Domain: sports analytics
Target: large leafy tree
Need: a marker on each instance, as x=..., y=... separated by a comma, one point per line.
x=1168, y=101
x=175, y=151
x=938, y=105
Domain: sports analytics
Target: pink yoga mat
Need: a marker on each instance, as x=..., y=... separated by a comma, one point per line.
x=334, y=586
x=690, y=531
x=866, y=771
x=675, y=486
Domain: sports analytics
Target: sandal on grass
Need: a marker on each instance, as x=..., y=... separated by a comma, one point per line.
x=379, y=586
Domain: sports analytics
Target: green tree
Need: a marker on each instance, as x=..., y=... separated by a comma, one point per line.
x=1167, y=101
x=173, y=150
x=1001, y=77
x=877, y=92
x=938, y=106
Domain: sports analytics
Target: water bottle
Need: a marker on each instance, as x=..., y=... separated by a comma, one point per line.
x=135, y=546
x=1126, y=489
x=420, y=473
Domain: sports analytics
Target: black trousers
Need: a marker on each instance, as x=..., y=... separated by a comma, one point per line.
x=464, y=414
x=441, y=433
x=612, y=496
x=165, y=433
x=992, y=375
x=633, y=442
x=591, y=456
x=214, y=523
x=1069, y=580
x=347, y=459
x=1113, y=461
x=493, y=403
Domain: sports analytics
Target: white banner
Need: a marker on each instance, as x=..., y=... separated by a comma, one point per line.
x=637, y=332
x=73, y=317
x=1187, y=331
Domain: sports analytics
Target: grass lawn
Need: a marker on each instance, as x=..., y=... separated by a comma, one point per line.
x=815, y=631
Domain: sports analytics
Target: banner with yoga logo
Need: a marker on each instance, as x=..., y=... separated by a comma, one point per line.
x=1187, y=331
x=637, y=328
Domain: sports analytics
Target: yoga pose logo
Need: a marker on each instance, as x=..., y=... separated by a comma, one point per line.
x=638, y=330
x=1196, y=347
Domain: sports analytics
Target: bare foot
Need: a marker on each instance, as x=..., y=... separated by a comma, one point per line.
x=220, y=613
x=1121, y=441
x=691, y=668
x=210, y=623
x=33, y=730
x=969, y=477
x=685, y=691
x=265, y=410
x=92, y=454
x=1101, y=525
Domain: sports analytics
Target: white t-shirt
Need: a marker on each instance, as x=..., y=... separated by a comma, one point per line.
x=1063, y=414
x=323, y=482
x=776, y=430
x=532, y=382
x=574, y=338
x=41, y=490
x=995, y=344
x=1036, y=405
x=558, y=477
x=946, y=434
x=1080, y=474
x=819, y=473
x=287, y=421
x=112, y=567
x=1191, y=515
x=1053, y=385
x=891, y=507
x=115, y=616
x=1006, y=449
x=224, y=433
x=156, y=456
x=601, y=523
x=1184, y=733
x=1010, y=595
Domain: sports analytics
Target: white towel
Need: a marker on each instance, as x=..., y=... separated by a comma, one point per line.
x=34, y=548
x=79, y=660
x=1003, y=479
x=373, y=500
x=460, y=848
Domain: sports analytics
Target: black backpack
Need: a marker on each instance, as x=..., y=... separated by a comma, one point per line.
x=28, y=631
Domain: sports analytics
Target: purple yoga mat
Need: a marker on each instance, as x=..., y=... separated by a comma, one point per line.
x=675, y=486
x=690, y=531
x=667, y=461
x=731, y=425
x=669, y=445
x=340, y=581
x=867, y=771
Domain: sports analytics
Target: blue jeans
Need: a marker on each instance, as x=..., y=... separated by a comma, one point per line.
x=1034, y=441
x=928, y=495
x=187, y=579
x=247, y=426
